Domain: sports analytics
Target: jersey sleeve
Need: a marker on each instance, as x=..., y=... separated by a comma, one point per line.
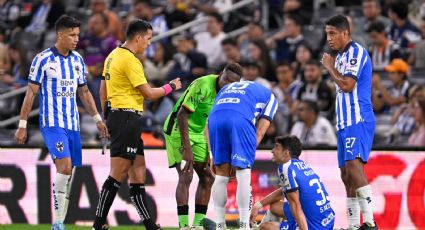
x=135, y=72
x=36, y=74
x=82, y=78
x=270, y=109
x=192, y=98
x=356, y=60
x=289, y=178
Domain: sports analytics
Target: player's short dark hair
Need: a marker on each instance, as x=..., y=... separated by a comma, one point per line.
x=377, y=27
x=291, y=143
x=66, y=22
x=312, y=105
x=135, y=27
x=235, y=68
x=400, y=8
x=340, y=22
x=229, y=41
x=217, y=17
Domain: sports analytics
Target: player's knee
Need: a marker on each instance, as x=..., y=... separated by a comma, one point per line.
x=185, y=178
x=208, y=180
x=267, y=226
x=276, y=208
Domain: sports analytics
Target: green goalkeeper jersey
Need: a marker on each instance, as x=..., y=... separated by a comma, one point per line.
x=198, y=98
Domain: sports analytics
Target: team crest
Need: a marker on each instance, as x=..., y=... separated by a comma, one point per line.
x=353, y=61
x=59, y=146
x=77, y=68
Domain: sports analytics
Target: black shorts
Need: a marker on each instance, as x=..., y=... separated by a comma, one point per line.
x=125, y=130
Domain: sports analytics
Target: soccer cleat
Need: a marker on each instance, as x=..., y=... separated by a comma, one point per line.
x=104, y=227
x=221, y=226
x=58, y=226
x=208, y=224
x=365, y=226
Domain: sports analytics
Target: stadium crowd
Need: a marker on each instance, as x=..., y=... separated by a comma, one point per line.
x=279, y=50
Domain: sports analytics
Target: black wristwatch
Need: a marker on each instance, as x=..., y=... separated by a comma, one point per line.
x=173, y=86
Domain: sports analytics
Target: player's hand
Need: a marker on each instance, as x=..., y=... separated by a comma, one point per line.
x=103, y=131
x=328, y=61
x=177, y=83
x=188, y=160
x=254, y=214
x=21, y=135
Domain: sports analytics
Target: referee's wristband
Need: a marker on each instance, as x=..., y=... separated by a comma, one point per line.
x=97, y=118
x=22, y=124
x=167, y=88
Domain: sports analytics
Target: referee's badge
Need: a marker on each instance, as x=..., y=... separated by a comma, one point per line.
x=59, y=146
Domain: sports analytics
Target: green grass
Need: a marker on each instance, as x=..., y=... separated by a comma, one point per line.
x=68, y=227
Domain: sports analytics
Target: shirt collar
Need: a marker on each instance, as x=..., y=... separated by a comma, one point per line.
x=55, y=51
x=347, y=46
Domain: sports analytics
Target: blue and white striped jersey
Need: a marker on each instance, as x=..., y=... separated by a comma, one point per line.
x=58, y=77
x=355, y=106
x=249, y=98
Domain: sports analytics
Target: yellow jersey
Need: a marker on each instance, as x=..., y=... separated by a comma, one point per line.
x=123, y=72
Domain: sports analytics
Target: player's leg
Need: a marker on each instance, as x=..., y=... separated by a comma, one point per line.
x=219, y=193
x=206, y=179
x=353, y=208
x=122, y=128
x=137, y=176
x=56, y=140
x=275, y=213
x=174, y=146
x=360, y=139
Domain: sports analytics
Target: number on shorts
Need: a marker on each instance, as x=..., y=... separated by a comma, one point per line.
x=349, y=142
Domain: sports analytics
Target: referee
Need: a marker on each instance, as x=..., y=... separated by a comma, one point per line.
x=125, y=87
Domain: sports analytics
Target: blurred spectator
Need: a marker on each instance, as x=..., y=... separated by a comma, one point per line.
x=9, y=13
x=418, y=136
x=371, y=14
x=402, y=31
x=397, y=94
x=286, y=91
x=19, y=63
x=383, y=50
x=95, y=46
x=356, y=35
x=303, y=54
x=303, y=8
x=159, y=25
x=315, y=88
x=313, y=129
x=158, y=68
x=417, y=58
x=189, y=63
x=115, y=25
x=260, y=54
x=286, y=41
x=209, y=43
x=255, y=32
x=176, y=13
x=231, y=52
x=251, y=72
x=207, y=7
x=43, y=16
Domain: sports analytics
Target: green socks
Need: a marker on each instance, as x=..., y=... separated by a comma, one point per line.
x=183, y=213
x=200, y=212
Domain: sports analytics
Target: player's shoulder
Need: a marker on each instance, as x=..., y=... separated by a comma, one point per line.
x=44, y=54
x=286, y=168
x=74, y=52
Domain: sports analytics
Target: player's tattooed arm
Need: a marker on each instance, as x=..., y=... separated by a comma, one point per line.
x=32, y=92
x=87, y=99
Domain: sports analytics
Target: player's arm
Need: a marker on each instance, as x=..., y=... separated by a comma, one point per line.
x=103, y=95
x=345, y=83
x=21, y=133
x=154, y=93
x=182, y=120
x=263, y=125
x=293, y=198
x=271, y=198
x=88, y=102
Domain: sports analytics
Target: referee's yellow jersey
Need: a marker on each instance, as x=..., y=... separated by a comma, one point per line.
x=123, y=72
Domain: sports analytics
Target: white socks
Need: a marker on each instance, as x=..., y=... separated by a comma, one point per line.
x=364, y=196
x=243, y=196
x=60, y=190
x=353, y=212
x=219, y=195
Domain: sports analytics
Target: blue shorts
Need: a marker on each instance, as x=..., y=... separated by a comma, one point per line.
x=232, y=139
x=63, y=143
x=355, y=141
x=290, y=223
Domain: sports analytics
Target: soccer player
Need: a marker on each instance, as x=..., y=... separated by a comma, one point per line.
x=241, y=114
x=355, y=121
x=307, y=205
x=186, y=142
x=60, y=73
x=125, y=87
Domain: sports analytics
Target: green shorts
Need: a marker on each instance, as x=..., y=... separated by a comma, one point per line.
x=174, y=147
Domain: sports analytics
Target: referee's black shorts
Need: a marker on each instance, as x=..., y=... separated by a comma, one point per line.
x=125, y=129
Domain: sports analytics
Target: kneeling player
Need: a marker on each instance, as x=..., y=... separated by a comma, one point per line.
x=307, y=204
